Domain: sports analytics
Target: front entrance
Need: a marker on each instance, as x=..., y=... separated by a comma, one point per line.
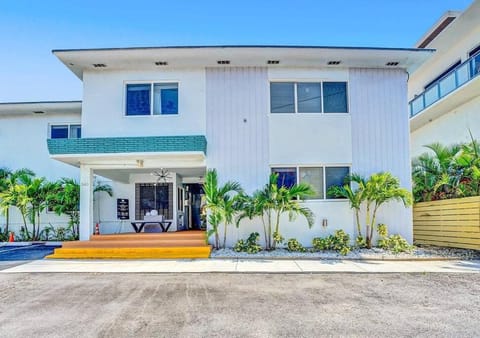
x=193, y=207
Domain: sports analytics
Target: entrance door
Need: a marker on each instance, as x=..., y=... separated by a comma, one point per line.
x=193, y=206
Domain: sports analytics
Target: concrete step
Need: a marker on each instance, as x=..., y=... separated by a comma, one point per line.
x=132, y=253
x=137, y=243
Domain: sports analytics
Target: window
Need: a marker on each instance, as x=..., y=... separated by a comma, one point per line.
x=139, y=98
x=320, y=178
x=335, y=97
x=308, y=97
x=287, y=177
x=335, y=176
x=66, y=131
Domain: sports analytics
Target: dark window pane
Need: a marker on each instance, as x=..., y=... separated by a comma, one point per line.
x=59, y=132
x=309, y=98
x=287, y=177
x=282, y=97
x=165, y=98
x=335, y=97
x=138, y=99
x=75, y=131
x=335, y=176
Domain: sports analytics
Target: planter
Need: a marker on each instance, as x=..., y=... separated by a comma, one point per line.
x=451, y=223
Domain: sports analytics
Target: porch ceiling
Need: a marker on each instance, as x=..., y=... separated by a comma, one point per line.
x=123, y=175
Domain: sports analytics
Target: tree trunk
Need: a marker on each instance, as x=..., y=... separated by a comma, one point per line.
x=217, y=240
x=7, y=219
x=265, y=233
x=269, y=230
x=368, y=240
x=277, y=227
x=225, y=235
x=359, y=229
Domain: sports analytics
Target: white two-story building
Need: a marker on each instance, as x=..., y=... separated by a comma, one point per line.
x=153, y=120
x=444, y=92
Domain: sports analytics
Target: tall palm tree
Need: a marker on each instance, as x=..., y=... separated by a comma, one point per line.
x=220, y=202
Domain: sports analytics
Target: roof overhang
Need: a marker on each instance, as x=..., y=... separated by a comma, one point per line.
x=41, y=108
x=144, y=58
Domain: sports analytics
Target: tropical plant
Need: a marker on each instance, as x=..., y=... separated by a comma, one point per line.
x=8, y=194
x=272, y=202
x=374, y=192
x=250, y=245
x=339, y=241
x=354, y=197
x=66, y=201
x=294, y=245
x=393, y=243
x=100, y=187
x=222, y=202
x=446, y=172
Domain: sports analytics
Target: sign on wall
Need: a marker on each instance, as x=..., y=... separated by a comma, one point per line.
x=123, y=211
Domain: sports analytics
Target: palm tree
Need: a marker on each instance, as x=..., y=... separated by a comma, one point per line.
x=66, y=201
x=252, y=207
x=13, y=195
x=354, y=197
x=220, y=202
x=379, y=189
x=101, y=187
x=274, y=200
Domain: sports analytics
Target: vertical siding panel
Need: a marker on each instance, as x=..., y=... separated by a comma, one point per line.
x=380, y=134
x=238, y=150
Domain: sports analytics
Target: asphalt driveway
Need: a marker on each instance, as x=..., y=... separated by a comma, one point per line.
x=239, y=305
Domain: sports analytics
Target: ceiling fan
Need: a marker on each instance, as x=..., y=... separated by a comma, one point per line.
x=162, y=175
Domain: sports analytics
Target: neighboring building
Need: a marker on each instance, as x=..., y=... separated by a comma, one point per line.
x=153, y=120
x=444, y=92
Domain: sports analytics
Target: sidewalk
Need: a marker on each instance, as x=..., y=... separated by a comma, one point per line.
x=243, y=266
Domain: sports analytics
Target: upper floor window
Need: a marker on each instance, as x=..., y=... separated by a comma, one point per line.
x=308, y=97
x=151, y=99
x=66, y=131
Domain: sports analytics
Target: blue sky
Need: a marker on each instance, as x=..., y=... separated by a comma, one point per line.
x=29, y=30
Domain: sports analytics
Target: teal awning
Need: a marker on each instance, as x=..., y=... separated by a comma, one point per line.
x=114, y=145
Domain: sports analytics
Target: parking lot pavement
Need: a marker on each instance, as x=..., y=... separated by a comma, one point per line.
x=239, y=305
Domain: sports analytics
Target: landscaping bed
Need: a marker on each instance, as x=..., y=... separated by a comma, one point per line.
x=419, y=252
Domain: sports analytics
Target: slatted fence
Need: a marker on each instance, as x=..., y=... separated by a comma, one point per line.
x=451, y=223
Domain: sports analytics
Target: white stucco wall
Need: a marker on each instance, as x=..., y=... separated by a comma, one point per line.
x=23, y=144
x=448, y=129
x=104, y=104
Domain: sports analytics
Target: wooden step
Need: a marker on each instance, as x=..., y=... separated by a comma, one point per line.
x=151, y=236
x=132, y=253
x=135, y=243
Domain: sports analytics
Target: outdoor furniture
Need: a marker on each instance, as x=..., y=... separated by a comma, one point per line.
x=138, y=226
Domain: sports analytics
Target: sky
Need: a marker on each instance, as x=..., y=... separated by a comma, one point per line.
x=30, y=29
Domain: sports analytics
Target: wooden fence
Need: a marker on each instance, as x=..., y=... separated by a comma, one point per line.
x=452, y=223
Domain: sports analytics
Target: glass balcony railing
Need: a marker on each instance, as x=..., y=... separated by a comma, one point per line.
x=447, y=84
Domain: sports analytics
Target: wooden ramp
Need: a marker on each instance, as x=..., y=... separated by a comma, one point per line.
x=171, y=245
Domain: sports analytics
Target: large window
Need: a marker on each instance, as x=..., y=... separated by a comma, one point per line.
x=66, y=131
x=308, y=97
x=321, y=178
x=151, y=99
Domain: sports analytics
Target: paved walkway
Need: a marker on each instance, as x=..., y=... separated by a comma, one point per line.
x=243, y=266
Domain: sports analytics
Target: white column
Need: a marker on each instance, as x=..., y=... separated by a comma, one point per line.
x=86, y=202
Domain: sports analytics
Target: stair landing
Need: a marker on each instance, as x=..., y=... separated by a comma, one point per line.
x=170, y=245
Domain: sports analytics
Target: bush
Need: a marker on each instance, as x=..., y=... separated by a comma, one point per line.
x=295, y=245
x=393, y=243
x=339, y=241
x=250, y=245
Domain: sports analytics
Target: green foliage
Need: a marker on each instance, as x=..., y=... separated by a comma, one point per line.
x=250, y=245
x=223, y=203
x=339, y=241
x=371, y=194
x=295, y=246
x=272, y=202
x=393, y=243
x=446, y=172
x=360, y=242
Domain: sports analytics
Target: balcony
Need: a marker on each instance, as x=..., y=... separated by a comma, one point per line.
x=458, y=77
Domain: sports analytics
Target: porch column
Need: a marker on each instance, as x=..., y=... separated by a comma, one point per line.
x=86, y=202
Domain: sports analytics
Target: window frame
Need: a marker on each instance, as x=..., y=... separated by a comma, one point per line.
x=152, y=84
x=295, y=97
x=68, y=125
x=324, y=166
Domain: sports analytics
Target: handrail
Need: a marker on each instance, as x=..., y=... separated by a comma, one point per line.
x=454, y=79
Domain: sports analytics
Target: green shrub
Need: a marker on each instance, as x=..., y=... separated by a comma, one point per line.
x=339, y=241
x=250, y=245
x=295, y=245
x=278, y=238
x=360, y=242
x=393, y=243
